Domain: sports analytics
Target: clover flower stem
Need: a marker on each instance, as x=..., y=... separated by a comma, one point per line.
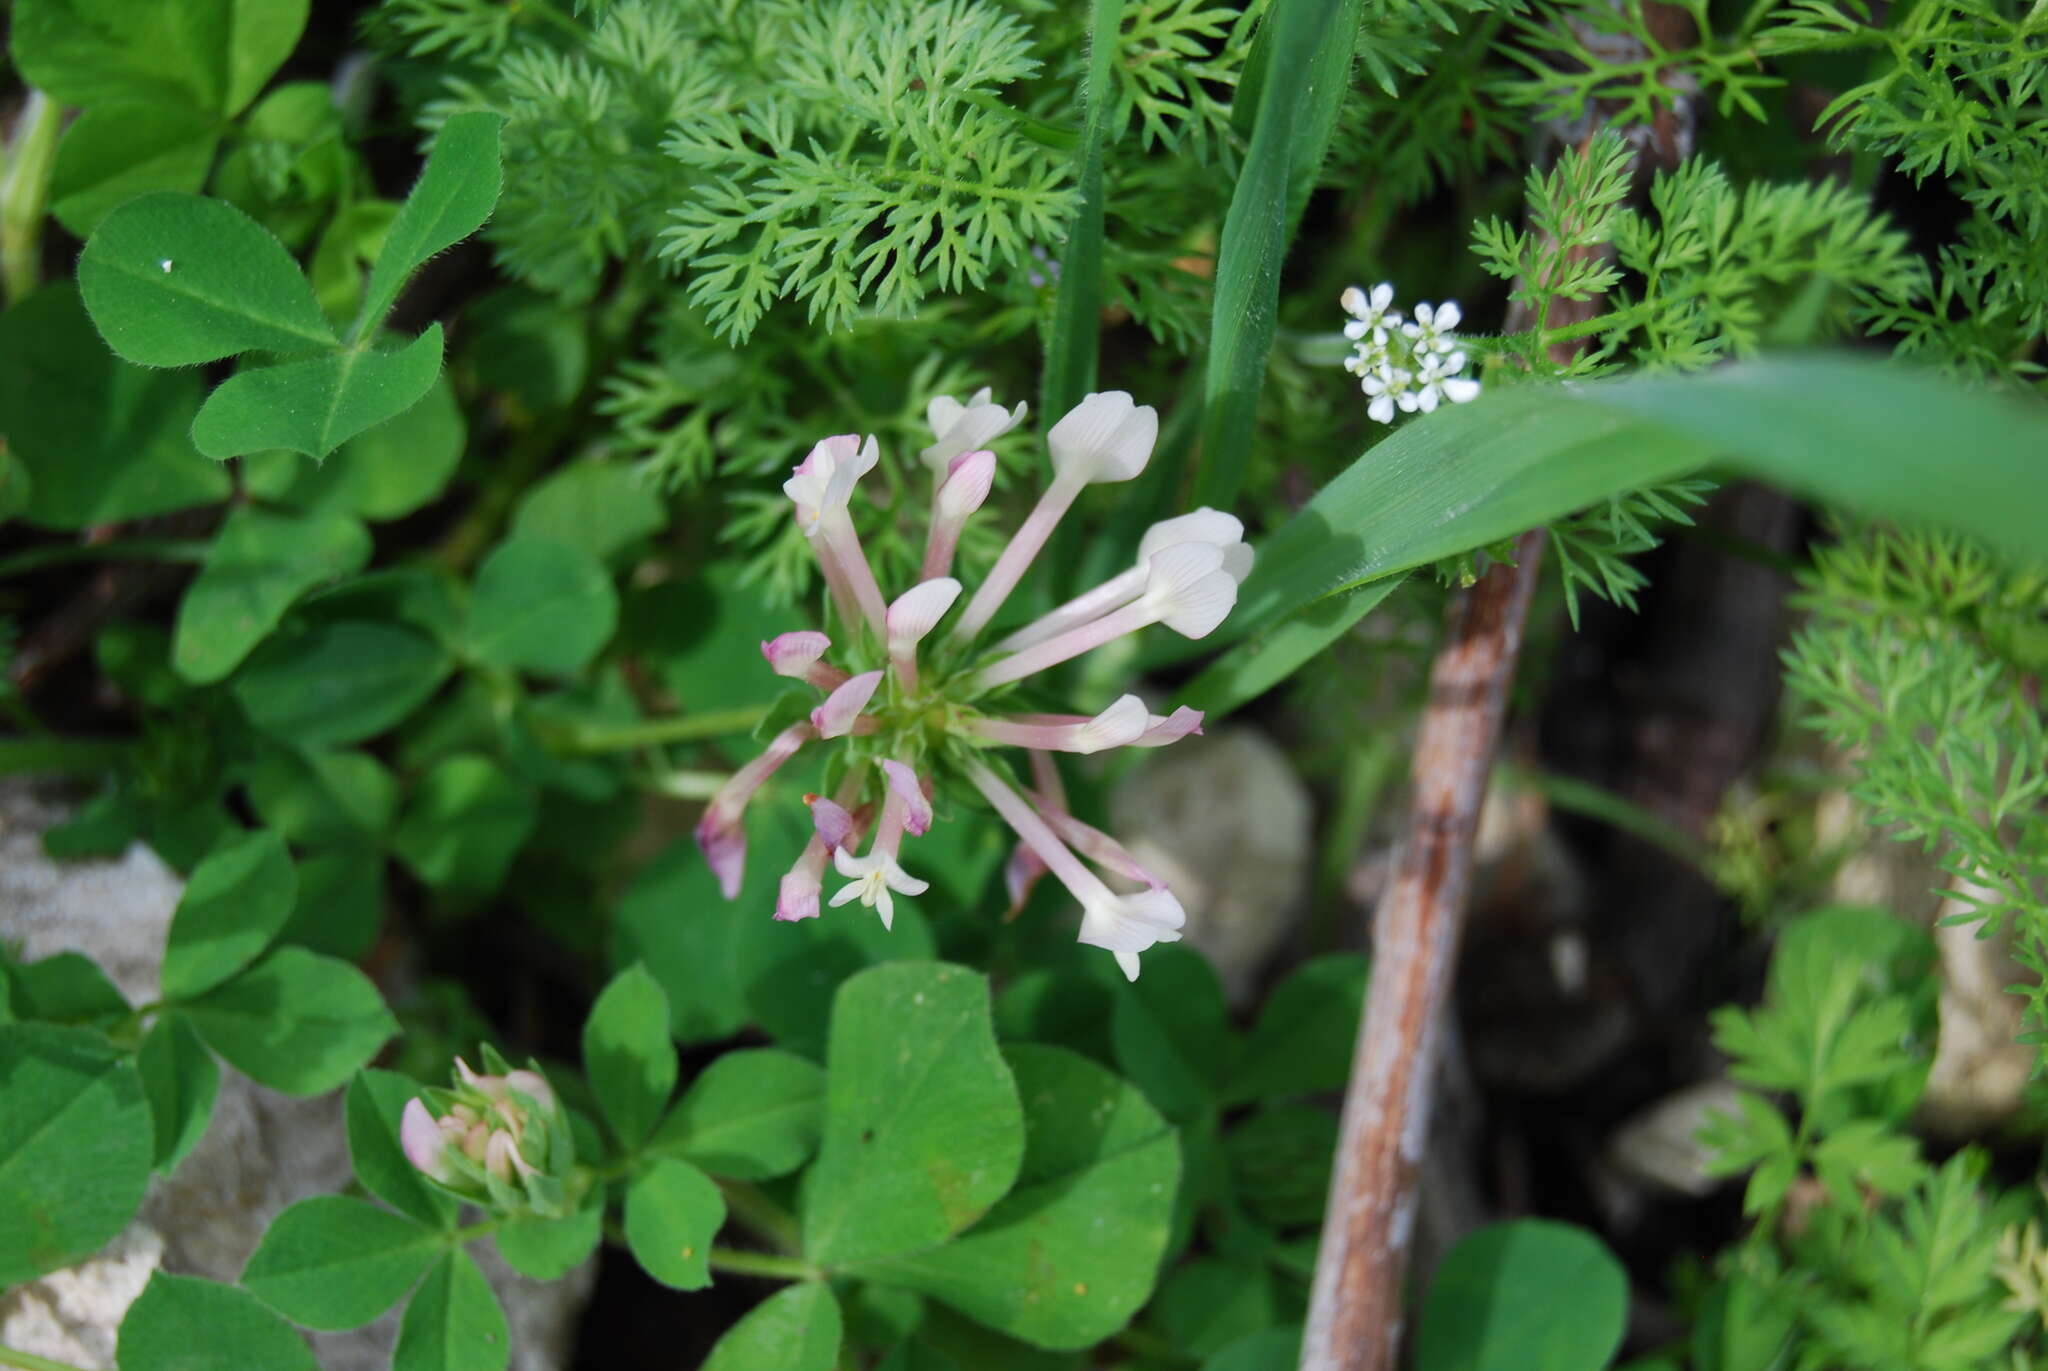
x=741, y=1263
x=767, y=1220
x=847, y=573
x=1038, y=835
x=1016, y=558
x=1115, y=593
x=686, y=728
x=1355, y=1309
x=1070, y=644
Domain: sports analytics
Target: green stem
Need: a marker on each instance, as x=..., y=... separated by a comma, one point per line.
x=762, y=1264
x=686, y=728
x=25, y=193
x=511, y=476
x=130, y=550
x=61, y=756
x=764, y=1216
x=29, y=1361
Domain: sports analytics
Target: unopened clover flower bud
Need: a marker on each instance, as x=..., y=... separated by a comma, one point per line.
x=499, y=1139
x=1107, y=437
x=840, y=713
x=958, y=428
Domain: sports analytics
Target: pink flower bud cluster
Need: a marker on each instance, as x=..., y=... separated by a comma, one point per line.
x=915, y=702
x=496, y=1139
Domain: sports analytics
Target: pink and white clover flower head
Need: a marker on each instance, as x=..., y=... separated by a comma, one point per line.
x=914, y=690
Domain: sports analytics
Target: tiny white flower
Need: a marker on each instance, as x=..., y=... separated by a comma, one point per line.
x=874, y=878
x=1371, y=315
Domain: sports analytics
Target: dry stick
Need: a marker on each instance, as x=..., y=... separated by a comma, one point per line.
x=1354, y=1319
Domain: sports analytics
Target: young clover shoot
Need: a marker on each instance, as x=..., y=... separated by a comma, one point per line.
x=1404, y=364
x=916, y=711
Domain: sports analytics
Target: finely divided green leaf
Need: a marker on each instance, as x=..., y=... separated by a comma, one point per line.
x=75, y=1146
x=316, y=405
x=184, y=1323
x=673, y=1211
x=337, y=1262
x=629, y=1055
x=259, y=563
x=173, y=280
x=923, y=1130
x=454, y=195
x=233, y=906
x=296, y=1021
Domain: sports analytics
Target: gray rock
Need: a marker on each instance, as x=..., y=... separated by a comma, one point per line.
x=262, y=1151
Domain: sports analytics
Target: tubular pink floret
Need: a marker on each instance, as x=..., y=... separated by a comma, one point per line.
x=917, y=805
x=797, y=655
x=1117, y=726
x=958, y=428
x=915, y=613
x=1170, y=729
x=721, y=833
x=961, y=492
x=836, y=717
x=1097, y=846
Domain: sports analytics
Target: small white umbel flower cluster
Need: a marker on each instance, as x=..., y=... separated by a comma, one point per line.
x=1404, y=364
x=916, y=710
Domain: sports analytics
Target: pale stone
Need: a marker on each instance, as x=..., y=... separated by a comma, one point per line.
x=262, y=1151
x=1225, y=822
